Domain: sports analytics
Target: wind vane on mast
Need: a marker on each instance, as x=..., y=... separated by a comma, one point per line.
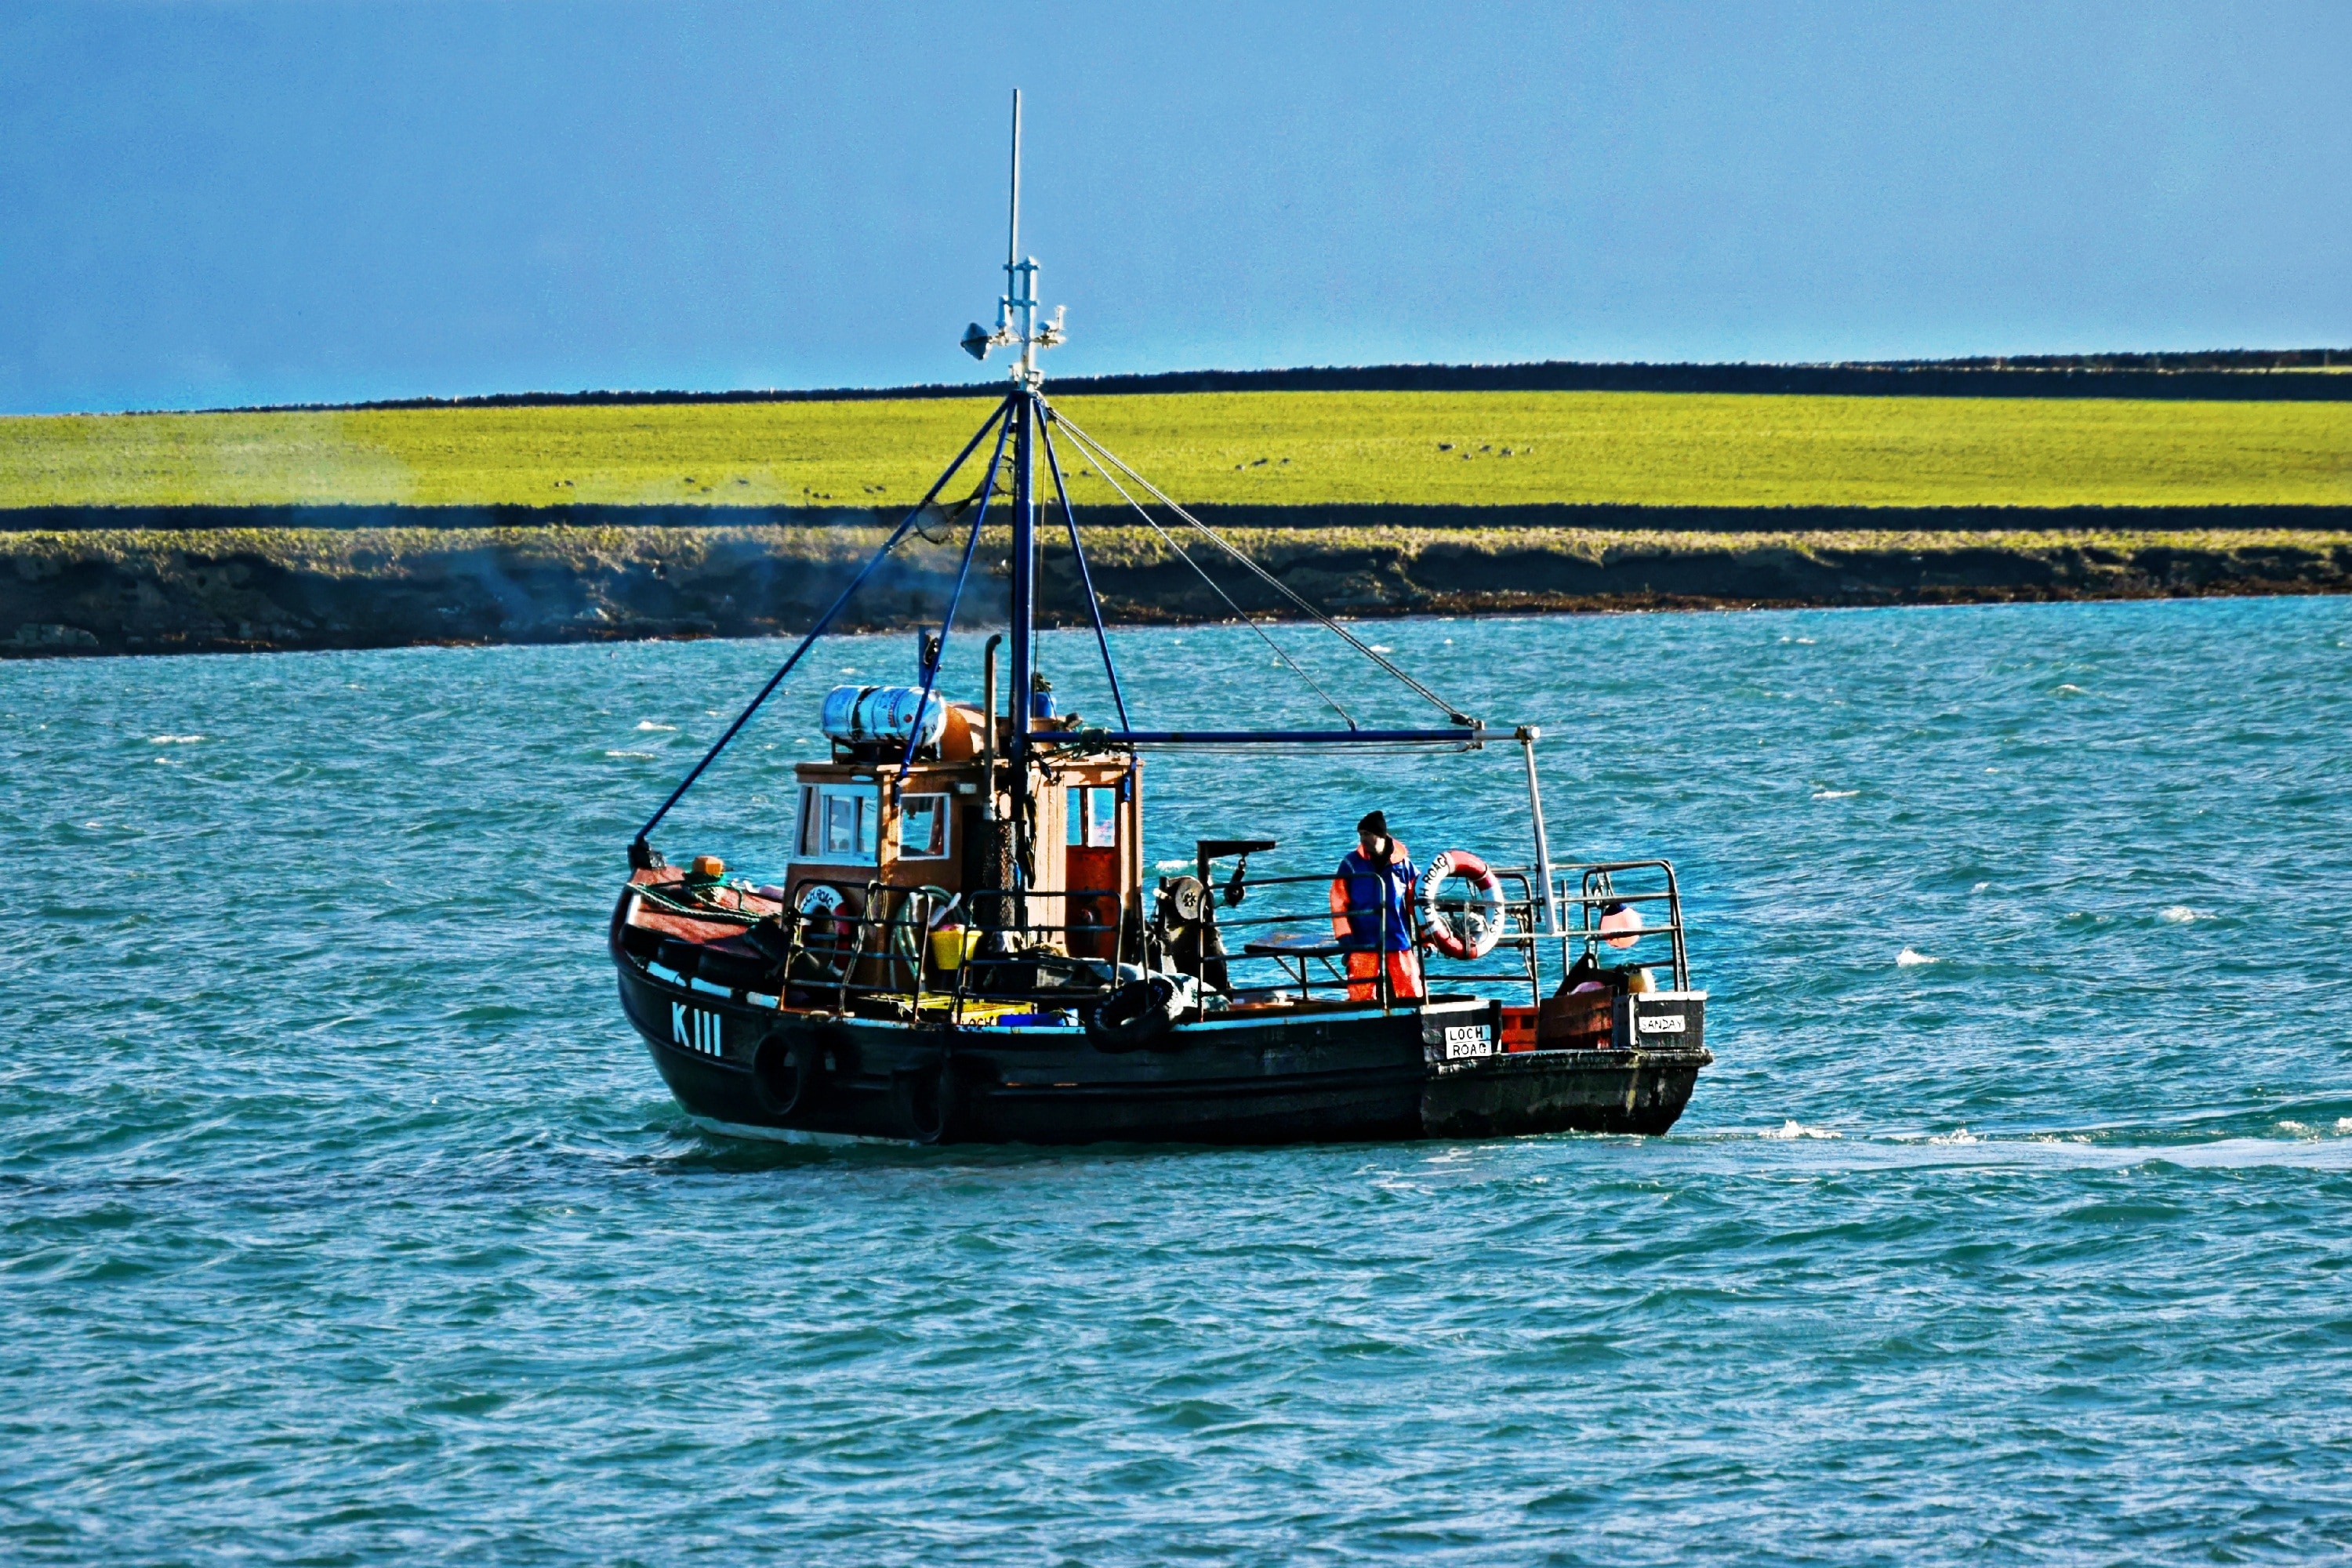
x=1016, y=308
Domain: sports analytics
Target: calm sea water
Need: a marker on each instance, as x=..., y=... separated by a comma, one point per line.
x=342, y=1219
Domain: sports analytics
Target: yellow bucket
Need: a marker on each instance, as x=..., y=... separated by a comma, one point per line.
x=950, y=946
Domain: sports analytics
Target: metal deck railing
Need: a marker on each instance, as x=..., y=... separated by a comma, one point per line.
x=882, y=958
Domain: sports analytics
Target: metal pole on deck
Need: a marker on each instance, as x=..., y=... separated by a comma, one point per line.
x=1528, y=736
x=988, y=727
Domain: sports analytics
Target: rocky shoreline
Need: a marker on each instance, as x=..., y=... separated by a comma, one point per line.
x=221, y=588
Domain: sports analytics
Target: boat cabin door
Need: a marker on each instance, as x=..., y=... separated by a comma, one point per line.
x=1099, y=842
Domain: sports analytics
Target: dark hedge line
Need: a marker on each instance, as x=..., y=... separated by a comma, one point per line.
x=2296, y=376
x=1672, y=519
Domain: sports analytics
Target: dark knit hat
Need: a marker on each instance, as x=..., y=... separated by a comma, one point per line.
x=1375, y=823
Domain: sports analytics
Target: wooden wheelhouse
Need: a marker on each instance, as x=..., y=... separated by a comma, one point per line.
x=929, y=844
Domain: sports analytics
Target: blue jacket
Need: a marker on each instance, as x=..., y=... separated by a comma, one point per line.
x=1358, y=885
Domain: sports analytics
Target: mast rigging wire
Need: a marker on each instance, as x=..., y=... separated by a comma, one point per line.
x=1087, y=443
x=1181, y=554
x=1086, y=574
x=1003, y=412
x=947, y=622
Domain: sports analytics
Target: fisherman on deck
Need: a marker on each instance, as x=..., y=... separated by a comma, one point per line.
x=1371, y=915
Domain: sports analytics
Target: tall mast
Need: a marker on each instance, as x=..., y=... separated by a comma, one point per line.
x=1021, y=311
x=1017, y=325
x=1019, y=317
x=1012, y=219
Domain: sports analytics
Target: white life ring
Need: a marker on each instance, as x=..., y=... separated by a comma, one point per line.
x=827, y=935
x=1472, y=931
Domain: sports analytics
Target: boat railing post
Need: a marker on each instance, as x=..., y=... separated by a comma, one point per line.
x=874, y=893
x=988, y=727
x=988, y=912
x=1674, y=918
x=849, y=964
x=1528, y=942
x=1528, y=735
x=962, y=979
x=794, y=925
x=923, y=926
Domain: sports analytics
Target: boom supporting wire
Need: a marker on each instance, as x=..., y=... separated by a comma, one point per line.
x=1110, y=458
x=1086, y=575
x=947, y=622
x=1181, y=554
x=1447, y=740
x=637, y=850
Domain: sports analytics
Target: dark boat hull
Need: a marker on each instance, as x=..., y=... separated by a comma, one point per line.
x=1313, y=1077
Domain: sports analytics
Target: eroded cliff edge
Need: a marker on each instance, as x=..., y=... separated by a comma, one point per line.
x=222, y=588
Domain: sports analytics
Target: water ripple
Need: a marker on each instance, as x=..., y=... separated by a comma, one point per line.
x=342, y=1219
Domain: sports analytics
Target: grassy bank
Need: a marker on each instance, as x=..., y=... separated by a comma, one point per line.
x=1279, y=449
x=133, y=591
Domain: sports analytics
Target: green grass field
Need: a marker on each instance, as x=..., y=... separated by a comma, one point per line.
x=1282, y=449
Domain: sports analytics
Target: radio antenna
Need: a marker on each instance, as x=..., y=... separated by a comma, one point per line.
x=1017, y=307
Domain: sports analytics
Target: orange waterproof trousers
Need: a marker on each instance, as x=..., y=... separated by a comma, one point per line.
x=1364, y=970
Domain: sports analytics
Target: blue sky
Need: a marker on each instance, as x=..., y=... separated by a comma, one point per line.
x=205, y=204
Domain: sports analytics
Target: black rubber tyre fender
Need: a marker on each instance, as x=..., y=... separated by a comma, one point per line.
x=1138, y=1014
x=736, y=971
x=784, y=1072
x=926, y=1098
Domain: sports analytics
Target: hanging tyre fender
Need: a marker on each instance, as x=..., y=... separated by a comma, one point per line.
x=785, y=1072
x=1464, y=933
x=926, y=1098
x=1141, y=1014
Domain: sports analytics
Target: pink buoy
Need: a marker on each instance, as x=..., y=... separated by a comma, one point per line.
x=1621, y=917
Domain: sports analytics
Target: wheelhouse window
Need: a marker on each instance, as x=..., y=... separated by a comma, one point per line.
x=1093, y=818
x=838, y=822
x=923, y=827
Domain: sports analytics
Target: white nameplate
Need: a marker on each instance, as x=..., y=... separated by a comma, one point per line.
x=1467, y=1040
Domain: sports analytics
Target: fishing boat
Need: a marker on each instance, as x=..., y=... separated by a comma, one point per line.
x=963, y=944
